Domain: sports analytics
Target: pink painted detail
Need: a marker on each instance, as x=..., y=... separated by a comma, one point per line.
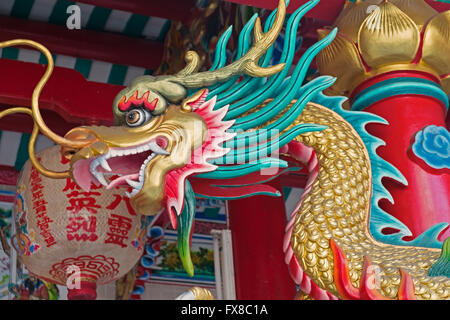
x=215, y=135
x=82, y=175
x=200, y=101
x=128, y=166
x=122, y=180
x=307, y=156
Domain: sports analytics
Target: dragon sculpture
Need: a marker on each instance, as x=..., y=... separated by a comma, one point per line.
x=213, y=133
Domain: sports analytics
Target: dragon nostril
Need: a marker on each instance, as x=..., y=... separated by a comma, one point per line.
x=81, y=134
x=78, y=134
x=68, y=152
x=162, y=142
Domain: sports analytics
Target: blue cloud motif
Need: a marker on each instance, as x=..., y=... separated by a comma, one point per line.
x=432, y=145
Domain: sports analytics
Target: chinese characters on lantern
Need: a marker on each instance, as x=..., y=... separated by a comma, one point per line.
x=82, y=224
x=119, y=226
x=40, y=207
x=83, y=208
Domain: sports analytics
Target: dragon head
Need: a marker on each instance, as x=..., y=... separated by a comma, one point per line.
x=152, y=148
x=162, y=132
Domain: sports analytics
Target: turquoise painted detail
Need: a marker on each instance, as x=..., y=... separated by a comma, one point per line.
x=247, y=84
x=258, y=193
x=399, y=86
x=244, y=158
x=266, y=193
x=263, y=150
x=243, y=47
x=273, y=129
x=256, y=93
x=441, y=268
x=235, y=171
x=432, y=145
x=289, y=93
x=184, y=228
x=220, y=58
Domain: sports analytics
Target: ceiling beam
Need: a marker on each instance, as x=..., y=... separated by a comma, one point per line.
x=177, y=10
x=327, y=10
x=87, y=44
x=67, y=93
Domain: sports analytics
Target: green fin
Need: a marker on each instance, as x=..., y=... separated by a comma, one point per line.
x=185, y=222
x=441, y=268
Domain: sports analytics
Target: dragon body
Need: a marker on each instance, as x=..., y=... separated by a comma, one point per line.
x=337, y=207
x=212, y=133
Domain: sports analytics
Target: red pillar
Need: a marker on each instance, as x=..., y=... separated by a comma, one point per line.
x=424, y=202
x=257, y=226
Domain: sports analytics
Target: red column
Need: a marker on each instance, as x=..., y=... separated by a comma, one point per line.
x=257, y=226
x=424, y=202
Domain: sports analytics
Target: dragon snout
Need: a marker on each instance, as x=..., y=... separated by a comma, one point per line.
x=79, y=134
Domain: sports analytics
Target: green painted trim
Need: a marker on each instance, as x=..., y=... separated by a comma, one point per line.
x=164, y=30
x=286, y=192
x=399, y=86
x=98, y=18
x=262, y=193
x=441, y=268
x=135, y=25
x=22, y=152
x=83, y=66
x=10, y=53
x=117, y=74
x=22, y=8
x=43, y=59
x=59, y=13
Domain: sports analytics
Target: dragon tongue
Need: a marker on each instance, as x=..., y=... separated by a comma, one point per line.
x=122, y=180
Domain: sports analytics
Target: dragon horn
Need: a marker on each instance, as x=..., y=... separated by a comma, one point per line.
x=247, y=64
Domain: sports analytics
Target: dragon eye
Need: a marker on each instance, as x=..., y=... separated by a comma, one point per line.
x=137, y=117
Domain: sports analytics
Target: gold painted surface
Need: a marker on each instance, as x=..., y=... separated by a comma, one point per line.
x=385, y=36
x=436, y=47
x=302, y=296
x=352, y=16
x=418, y=10
x=338, y=207
x=445, y=83
x=388, y=36
x=202, y=294
x=340, y=59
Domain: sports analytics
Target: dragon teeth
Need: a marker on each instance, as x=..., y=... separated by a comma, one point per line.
x=99, y=176
x=157, y=149
x=112, y=153
x=104, y=164
x=134, y=184
x=132, y=193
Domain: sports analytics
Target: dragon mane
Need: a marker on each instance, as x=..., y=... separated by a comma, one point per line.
x=257, y=138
